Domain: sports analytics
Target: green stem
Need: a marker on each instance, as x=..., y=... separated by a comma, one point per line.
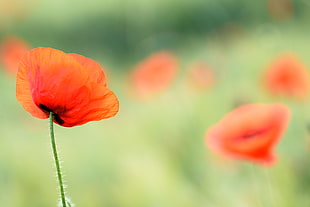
x=270, y=189
x=59, y=176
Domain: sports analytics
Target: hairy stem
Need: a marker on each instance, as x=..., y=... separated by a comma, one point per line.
x=59, y=175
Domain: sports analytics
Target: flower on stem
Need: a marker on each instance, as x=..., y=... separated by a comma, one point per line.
x=287, y=76
x=250, y=132
x=154, y=74
x=11, y=52
x=71, y=86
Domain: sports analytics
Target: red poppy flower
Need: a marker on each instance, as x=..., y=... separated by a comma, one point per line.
x=70, y=85
x=200, y=75
x=288, y=76
x=12, y=50
x=154, y=74
x=250, y=132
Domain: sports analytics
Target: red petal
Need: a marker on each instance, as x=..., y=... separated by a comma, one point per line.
x=95, y=70
x=101, y=105
x=49, y=77
x=24, y=96
x=250, y=132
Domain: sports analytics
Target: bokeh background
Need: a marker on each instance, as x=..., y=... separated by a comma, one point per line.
x=153, y=153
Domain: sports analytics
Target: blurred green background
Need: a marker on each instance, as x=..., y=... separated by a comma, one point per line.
x=153, y=152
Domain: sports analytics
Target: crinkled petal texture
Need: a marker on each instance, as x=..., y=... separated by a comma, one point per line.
x=287, y=76
x=95, y=71
x=250, y=132
x=70, y=85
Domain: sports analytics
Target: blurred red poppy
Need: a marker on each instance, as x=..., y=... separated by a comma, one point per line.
x=200, y=75
x=280, y=9
x=12, y=50
x=287, y=76
x=70, y=85
x=250, y=132
x=154, y=74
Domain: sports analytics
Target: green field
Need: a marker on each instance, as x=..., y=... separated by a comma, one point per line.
x=153, y=153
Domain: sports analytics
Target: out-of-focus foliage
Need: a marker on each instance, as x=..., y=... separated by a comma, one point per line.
x=122, y=29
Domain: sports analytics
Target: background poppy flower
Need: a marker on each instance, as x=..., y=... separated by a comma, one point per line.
x=154, y=74
x=280, y=9
x=200, y=75
x=11, y=52
x=287, y=76
x=70, y=85
x=250, y=132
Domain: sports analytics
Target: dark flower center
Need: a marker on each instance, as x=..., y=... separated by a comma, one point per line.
x=251, y=135
x=255, y=133
x=57, y=119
